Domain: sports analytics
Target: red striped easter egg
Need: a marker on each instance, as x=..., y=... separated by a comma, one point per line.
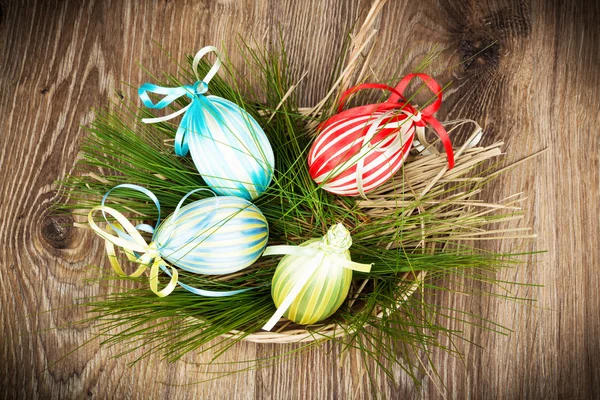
x=354, y=155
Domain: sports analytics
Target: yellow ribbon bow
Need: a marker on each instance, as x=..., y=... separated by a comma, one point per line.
x=132, y=243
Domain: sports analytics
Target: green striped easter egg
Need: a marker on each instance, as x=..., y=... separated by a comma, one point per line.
x=326, y=289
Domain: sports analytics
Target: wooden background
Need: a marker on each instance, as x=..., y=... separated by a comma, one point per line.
x=537, y=86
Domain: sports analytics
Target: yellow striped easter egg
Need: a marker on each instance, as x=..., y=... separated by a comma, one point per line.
x=325, y=290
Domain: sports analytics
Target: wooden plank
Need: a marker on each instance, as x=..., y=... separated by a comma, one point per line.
x=535, y=86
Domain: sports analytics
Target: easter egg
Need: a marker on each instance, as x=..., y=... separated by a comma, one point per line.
x=229, y=148
x=360, y=148
x=354, y=155
x=214, y=236
x=315, y=276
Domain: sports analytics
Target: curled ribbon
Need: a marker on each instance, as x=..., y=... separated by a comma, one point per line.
x=325, y=252
x=137, y=250
x=423, y=147
x=396, y=102
x=195, y=92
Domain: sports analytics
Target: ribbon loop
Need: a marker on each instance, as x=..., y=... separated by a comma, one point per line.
x=214, y=69
x=140, y=227
x=171, y=94
x=200, y=87
x=431, y=84
x=154, y=271
x=352, y=90
x=131, y=239
x=425, y=116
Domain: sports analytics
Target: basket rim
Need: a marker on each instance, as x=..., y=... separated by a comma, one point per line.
x=305, y=335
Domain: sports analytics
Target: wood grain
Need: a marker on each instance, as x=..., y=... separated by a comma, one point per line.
x=527, y=70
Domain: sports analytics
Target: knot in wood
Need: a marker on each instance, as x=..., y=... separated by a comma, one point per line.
x=480, y=53
x=56, y=230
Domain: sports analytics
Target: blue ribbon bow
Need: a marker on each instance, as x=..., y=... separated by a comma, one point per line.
x=195, y=92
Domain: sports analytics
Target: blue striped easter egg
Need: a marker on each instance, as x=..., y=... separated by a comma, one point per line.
x=230, y=150
x=213, y=236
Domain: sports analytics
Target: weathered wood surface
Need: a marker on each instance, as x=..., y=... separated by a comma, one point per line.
x=536, y=86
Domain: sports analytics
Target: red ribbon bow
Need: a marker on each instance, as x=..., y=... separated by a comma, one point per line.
x=397, y=101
